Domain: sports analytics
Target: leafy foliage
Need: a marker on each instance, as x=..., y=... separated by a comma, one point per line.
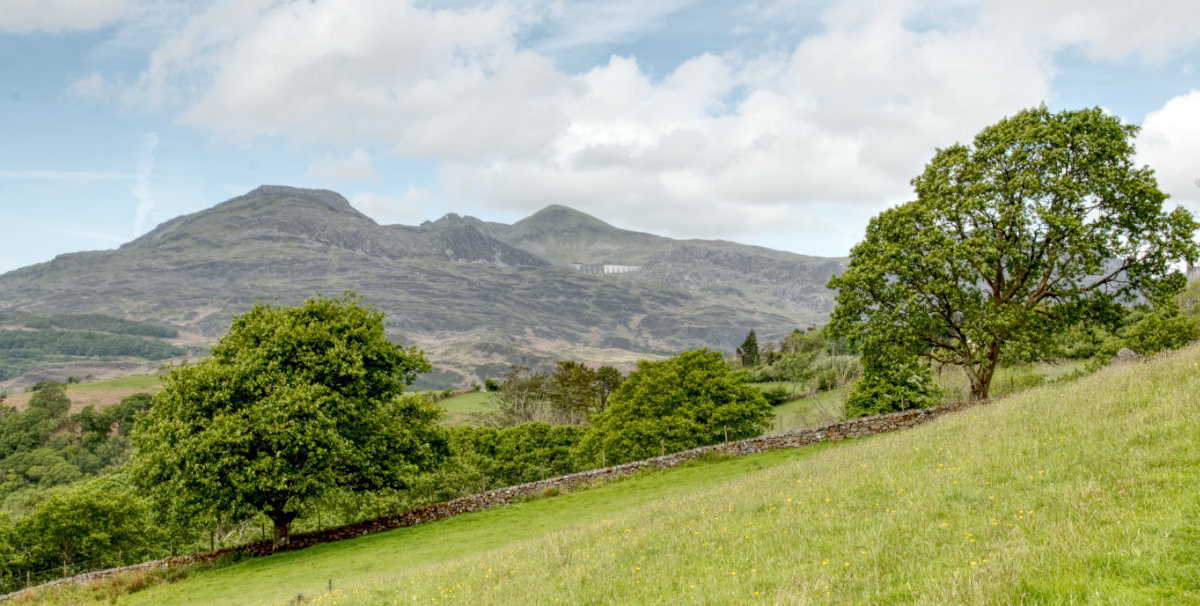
x=100, y=521
x=748, y=353
x=506, y=456
x=20, y=350
x=670, y=405
x=293, y=402
x=892, y=381
x=100, y=323
x=1043, y=220
x=44, y=446
x=568, y=396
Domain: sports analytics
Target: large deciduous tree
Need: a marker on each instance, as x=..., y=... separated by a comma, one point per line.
x=1042, y=220
x=294, y=401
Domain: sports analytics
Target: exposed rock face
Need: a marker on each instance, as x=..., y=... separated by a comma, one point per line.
x=444, y=284
x=1126, y=355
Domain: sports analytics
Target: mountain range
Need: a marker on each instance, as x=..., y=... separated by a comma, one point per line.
x=477, y=296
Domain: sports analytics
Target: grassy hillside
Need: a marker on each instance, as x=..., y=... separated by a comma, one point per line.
x=461, y=410
x=100, y=394
x=1087, y=491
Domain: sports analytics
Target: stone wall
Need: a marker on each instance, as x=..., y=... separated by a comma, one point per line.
x=833, y=432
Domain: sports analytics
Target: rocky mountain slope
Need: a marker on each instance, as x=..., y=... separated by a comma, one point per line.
x=477, y=296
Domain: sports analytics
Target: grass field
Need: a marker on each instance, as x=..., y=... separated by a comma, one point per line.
x=98, y=393
x=461, y=410
x=817, y=409
x=1082, y=492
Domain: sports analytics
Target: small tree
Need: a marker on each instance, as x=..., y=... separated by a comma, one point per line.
x=892, y=381
x=797, y=368
x=1043, y=220
x=748, y=352
x=99, y=521
x=521, y=398
x=294, y=401
x=573, y=393
x=687, y=401
x=608, y=379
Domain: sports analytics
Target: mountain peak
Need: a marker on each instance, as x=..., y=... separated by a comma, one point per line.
x=333, y=200
x=562, y=218
x=267, y=211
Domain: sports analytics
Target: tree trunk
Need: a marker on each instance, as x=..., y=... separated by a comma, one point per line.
x=283, y=529
x=982, y=381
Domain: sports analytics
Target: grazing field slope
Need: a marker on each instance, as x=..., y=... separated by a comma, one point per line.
x=1080, y=492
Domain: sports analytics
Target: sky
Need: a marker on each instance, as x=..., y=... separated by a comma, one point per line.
x=781, y=123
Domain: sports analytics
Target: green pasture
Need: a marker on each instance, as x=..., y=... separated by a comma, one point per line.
x=1070, y=493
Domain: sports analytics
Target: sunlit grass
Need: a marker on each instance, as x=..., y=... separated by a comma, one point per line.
x=462, y=410
x=1082, y=492
x=101, y=393
x=817, y=409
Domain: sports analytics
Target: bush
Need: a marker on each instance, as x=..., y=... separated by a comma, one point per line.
x=892, y=385
x=776, y=395
x=1149, y=333
x=834, y=371
x=687, y=401
x=516, y=454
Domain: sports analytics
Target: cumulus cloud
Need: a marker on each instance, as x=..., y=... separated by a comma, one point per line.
x=1170, y=144
x=845, y=115
x=1106, y=30
x=54, y=16
x=356, y=166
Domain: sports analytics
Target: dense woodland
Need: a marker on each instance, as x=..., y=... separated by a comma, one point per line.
x=27, y=340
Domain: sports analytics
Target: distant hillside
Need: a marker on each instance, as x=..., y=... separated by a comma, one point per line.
x=59, y=344
x=475, y=295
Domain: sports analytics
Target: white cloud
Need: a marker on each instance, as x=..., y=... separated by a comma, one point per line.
x=53, y=16
x=93, y=86
x=339, y=169
x=729, y=145
x=1106, y=30
x=1170, y=144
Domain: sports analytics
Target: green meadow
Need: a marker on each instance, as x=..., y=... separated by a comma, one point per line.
x=1085, y=491
x=462, y=410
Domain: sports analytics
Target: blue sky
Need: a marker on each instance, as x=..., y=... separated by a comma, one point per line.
x=784, y=123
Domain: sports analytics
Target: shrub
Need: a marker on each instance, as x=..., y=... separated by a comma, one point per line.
x=776, y=395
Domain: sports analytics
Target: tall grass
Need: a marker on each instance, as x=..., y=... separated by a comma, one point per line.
x=1083, y=492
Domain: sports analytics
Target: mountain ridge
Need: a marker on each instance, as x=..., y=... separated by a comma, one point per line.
x=475, y=295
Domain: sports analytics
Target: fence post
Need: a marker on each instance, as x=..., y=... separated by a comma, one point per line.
x=662, y=447
x=212, y=540
x=726, y=433
x=542, y=466
x=482, y=483
x=602, y=464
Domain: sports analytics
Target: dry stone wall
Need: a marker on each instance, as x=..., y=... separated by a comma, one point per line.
x=833, y=432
